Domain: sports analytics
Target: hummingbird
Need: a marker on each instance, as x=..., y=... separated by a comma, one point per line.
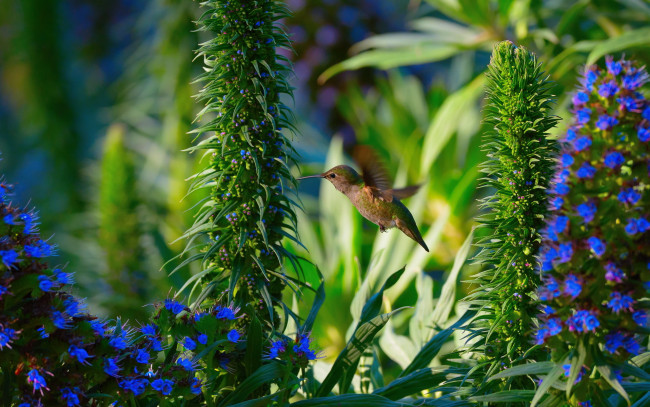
x=372, y=194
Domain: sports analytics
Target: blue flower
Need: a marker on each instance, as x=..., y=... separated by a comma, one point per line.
x=613, y=273
x=36, y=380
x=590, y=78
x=606, y=122
x=640, y=317
x=60, y=320
x=566, y=160
x=9, y=219
x=565, y=252
x=99, y=327
x=40, y=249
x=142, y=356
x=196, y=385
x=629, y=195
x=42, y=333
x=119, y=341
x=631, y=228
x=156, y=345
x=620, y=302
x=149, y=330
x=276, y=348
x=302, y=347
x=630, y=103
x=583, y=115
x=587, y=210
x=80, y=354
x=189, y=343
x=561, y=189
x=634, y=80
x=597, y=245
x=572, y=286
x=580, y=98
x=646, y=113
x=73, y=307
x=70, y=396
x=570, y=134
x=163, y=385
x=202, y=339
x=613, y=341
x=613, y=67
x=62, y=277
x=586, y=171
x=44, y=283
x=233, y=335
x=174, y=306
x=556, y=203
x=110, y=367
x=7, y=335
x=187, y=364
x=614, y=159
x=632, y=346
x=608, y=89
x=642, y=225
x=226, y=313
x=582, y=143
x=137, y=386
x=9, y=257
x=644, y=134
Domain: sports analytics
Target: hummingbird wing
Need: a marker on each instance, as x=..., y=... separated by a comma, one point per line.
x=374, y=173
x=403, y=193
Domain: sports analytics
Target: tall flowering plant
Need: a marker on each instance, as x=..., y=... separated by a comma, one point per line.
x=596, y=250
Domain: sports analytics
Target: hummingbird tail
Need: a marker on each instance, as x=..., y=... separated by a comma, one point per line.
x=413, y=233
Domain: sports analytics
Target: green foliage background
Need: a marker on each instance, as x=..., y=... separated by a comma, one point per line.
x=59, y=112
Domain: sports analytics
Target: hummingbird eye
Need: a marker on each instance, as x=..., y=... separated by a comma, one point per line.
x=332, y=175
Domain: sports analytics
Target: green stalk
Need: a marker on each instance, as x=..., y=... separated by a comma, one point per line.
x=519, y=169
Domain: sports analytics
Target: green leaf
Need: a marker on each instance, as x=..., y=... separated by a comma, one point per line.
x=609, y=376
x=417, y=381
x=315, y=307
x=352, y=400
x=548, y=381
x=527, y=369
x=506, y=396
x=577, y=360
x=629, y=39
x=260, y=377
x=253, y=345
x=346, y=363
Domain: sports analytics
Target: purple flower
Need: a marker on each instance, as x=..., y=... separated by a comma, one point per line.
x=110, y=367
x=644, y=134
x=70, y=396
x=641, y=318
x=608, y=89
x=80, y=354
x=597, y=245
x=174, y=306
x=572, y=285
x=583, y=115
x=582, y=143
x=580, y=98
x=163, y=385
x=613, y=273
x=614, y=159
x=233, y=335
x=629, y=195
x=8, y=257
x=606, y=122
x=189, y=343
x=613, y=67
x=587, y=210
x=586, y=171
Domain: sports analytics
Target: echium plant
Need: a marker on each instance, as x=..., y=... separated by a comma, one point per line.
x=52, y=352
x=248, y=213
x=519, y=168
x=596, y=249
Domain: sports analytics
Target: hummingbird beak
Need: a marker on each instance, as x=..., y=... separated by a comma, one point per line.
x=311, y=176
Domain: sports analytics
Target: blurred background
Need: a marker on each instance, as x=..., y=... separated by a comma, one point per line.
x=96, y=103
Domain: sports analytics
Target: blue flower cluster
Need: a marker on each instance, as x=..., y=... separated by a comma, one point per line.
x=596, y=242
x=295, y=351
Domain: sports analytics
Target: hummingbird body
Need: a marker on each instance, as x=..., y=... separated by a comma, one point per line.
x=372, y=195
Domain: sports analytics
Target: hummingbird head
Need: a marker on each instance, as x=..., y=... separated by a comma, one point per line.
x=341, y=176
